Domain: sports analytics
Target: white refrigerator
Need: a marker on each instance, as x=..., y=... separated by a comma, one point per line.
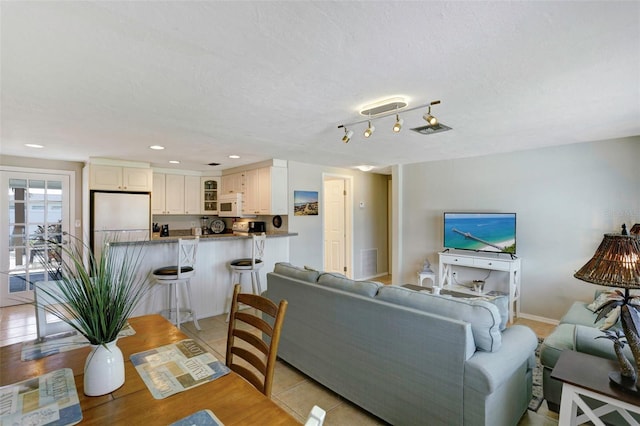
x=119, y=216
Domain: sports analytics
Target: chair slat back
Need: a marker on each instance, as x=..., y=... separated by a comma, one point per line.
x=187, y=251
x=257, y=247
x=252, y=341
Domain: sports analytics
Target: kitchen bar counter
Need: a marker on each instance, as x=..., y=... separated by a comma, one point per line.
x=211, y=283
x=223, y=236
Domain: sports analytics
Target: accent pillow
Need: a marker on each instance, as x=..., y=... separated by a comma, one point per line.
x=602, y=298
x=289, y=270
x=612, y=317
x=339, y=281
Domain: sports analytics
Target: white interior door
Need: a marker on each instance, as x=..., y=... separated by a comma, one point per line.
x=334, y=226
x=35, y=216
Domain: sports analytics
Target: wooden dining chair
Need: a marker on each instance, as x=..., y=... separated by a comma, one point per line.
x=252, y=342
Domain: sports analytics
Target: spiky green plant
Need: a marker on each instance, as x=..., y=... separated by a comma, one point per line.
x=98, y=297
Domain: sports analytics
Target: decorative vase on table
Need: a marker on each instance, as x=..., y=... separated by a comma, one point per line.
x=96, y=299
x=103, y=369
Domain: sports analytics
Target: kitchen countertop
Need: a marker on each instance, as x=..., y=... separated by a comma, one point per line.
x=210, y=237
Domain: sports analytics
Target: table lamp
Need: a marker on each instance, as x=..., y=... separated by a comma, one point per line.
x=616, y=263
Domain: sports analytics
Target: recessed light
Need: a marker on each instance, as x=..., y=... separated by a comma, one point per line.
x=33, y=145
x=174, y=161
x=235, y=157
x=156, y=147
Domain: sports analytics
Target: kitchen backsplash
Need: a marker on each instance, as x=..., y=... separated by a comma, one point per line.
x=186, y=222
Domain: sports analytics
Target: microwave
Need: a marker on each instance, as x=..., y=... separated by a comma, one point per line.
x=230, y=205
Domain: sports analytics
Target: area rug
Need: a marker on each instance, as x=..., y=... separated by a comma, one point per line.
x=62, y=342
x=537, y=399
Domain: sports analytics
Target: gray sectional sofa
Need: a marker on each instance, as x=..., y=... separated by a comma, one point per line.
x=408, y=357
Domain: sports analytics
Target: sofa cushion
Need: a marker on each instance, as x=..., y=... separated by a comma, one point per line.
x=289, y=270
x=579, y=313
x=341, y=282
x=562, y=338
x=501, y=302
x=482, y=315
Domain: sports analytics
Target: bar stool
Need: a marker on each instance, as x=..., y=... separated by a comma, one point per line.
x=174, y=275
x=251, y=265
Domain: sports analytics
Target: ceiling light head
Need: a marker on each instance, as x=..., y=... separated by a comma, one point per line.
x=430, y=118
x=156, y=147
x=347, y=135
x=234, y=156
x=33, y=145
x=398, y=125
x=174, y=162
x=369, y=130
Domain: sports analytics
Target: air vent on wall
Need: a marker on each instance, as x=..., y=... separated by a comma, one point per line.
x=430, y=130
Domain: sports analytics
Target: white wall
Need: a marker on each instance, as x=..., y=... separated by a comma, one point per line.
x=369, y=223
x=565, y=197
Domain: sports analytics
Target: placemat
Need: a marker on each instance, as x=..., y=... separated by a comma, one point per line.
x=199, y=418
x=62, y=342
x=177, y=367
x=50, y=399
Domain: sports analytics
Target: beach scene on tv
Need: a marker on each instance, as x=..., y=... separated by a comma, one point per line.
x=494, y=232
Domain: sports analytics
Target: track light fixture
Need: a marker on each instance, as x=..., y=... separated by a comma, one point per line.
x=369, y=130
x=347, y=135
x=398, y=125
x=430, y=119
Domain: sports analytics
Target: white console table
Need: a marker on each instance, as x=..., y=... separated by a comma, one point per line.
x=449, y=260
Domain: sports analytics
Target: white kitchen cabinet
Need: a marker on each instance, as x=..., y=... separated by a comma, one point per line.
x=158, y=194
x=250, y=199
x=192, y=194
x=175, y=194
x=209, y=195
x=117, y=178
x=232, y=183
x=266, y=191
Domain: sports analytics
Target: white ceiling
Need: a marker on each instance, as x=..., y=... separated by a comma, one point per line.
x=271, y=79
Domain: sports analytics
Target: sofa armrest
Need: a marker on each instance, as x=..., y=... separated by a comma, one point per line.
x=586, y=342
x=486, y=371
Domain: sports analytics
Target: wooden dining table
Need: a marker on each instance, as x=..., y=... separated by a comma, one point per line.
x=232, y=399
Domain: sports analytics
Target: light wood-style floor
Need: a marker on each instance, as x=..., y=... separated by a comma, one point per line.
x=293, y=391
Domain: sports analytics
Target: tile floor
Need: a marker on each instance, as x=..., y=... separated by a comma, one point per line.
x=292, y=390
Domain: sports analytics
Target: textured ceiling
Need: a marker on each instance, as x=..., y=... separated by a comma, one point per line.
x=274, y=79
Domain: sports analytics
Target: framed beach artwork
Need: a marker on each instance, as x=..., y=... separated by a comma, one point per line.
x=305, y=203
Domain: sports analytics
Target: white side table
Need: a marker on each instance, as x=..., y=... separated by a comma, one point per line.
x=585, y=375
x=430, y=275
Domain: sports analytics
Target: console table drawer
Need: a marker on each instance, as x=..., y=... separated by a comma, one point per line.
x=497, y=265
x=462, y=260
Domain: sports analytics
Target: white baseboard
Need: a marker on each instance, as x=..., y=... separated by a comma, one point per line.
x=384, y=274
x=538, y=318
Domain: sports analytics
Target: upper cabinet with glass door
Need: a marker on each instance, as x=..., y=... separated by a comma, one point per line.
x=209, y=195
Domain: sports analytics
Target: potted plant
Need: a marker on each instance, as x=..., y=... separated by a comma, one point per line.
x=96, y=298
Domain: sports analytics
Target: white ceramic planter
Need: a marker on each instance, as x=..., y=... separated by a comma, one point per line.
x=103, y=369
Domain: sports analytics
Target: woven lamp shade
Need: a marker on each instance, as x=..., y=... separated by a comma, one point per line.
x=616, y=263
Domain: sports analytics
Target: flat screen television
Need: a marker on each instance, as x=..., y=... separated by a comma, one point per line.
x=492, y=232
